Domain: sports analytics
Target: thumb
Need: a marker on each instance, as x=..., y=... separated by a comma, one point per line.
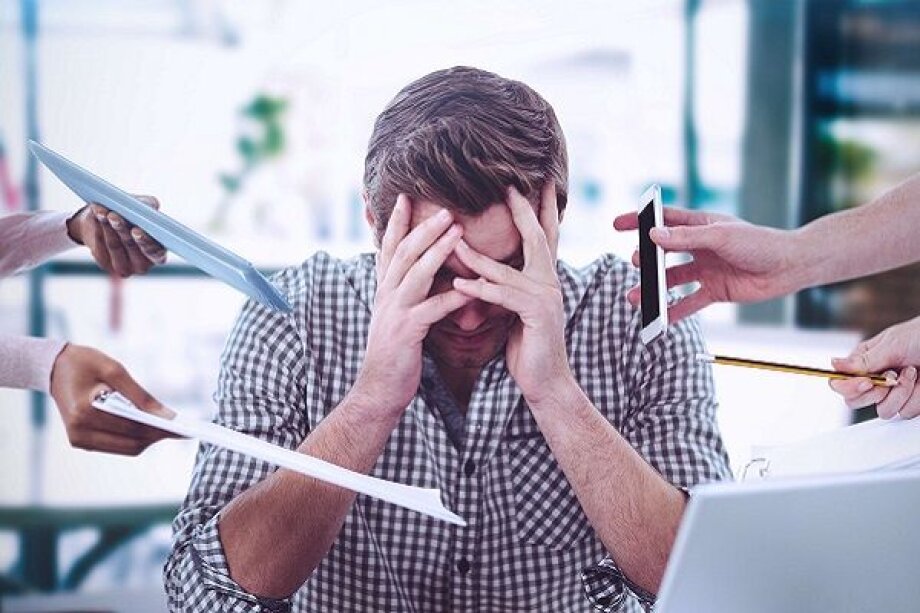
x=122, y=382
x=684, y=238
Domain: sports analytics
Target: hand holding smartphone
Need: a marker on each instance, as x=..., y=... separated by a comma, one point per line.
x=654, y=299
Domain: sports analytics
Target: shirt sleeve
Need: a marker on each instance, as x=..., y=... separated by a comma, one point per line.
x=260, y=392
x=26, y=362
x=28, y=239
x=671, y=422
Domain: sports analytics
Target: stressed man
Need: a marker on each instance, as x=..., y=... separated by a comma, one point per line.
x=462, y=356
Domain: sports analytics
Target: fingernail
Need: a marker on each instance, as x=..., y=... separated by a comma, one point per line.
x=912, y=373
x=444, y=215
x=136, y=234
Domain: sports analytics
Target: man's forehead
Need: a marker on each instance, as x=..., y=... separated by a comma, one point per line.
x=492, y=232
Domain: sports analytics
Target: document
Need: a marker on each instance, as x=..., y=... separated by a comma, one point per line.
x=874, y=445
x=423, y=500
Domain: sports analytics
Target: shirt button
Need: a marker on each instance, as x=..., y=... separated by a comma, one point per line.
x=463, y=566
x=469, y=468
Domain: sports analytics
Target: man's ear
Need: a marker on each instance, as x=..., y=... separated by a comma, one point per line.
x=370, y=217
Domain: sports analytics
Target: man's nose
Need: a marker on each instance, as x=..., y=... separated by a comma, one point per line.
x=470, y=316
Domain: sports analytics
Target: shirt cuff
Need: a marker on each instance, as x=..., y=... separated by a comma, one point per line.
x=211, y=564
x=607, y=587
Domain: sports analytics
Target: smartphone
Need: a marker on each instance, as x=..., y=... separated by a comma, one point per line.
x=654, y=301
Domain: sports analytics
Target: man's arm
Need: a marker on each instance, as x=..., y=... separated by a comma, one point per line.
x=273, y=533
x=634, y=510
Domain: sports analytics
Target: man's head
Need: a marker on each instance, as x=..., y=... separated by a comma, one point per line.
x=458, y=139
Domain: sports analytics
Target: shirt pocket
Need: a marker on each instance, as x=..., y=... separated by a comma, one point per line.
x=546, y=512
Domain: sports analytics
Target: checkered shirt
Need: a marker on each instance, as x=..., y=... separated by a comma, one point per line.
x=527, y=546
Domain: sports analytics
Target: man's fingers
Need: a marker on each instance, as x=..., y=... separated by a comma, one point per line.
x=688, y=305
x=672, y=217
x=397, y=228
x=634, y=295
x=488, y=268
x=859, y=392
x=911, y=408
x=150, y=201
x=117, y=255
x=417, y=282
x=687, y=238
x=411, y=248
x=536, y=247
x=549, y=216
x=502, y=295
x=440, y=306
x=898, y=395
x=152, y=250
x=138, y=261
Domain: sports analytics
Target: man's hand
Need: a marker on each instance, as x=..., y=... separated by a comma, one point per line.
x=117, y=246
x=78, y=376
x=403, y=312
x=897, y=347
x=733, y=261
x=536, y=351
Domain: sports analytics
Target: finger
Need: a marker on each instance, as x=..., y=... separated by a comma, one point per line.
x=411, y=248
x=911, y=408
x=687, y=238
x=536, y=247
x=858, y=392
x=502, y=295
x=121, y=265
x=549, y=216
x=150, y=201
x=898, y=395
x=682, y=274
x=688, y=305
x=634, y=295
x=397, y=228
x=96, y=242
x=417, y=282
x=119, y=380
x=136, y=259
x=488, y=268
x=440, y=306
x=672, y=217
x=152, y=250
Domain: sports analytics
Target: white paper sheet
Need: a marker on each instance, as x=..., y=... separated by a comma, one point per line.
x=423, y=500
x=873, y=445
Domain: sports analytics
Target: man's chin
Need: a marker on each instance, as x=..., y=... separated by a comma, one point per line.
x=465, y=358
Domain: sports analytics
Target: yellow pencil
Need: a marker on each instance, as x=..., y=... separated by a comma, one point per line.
x=880, y=380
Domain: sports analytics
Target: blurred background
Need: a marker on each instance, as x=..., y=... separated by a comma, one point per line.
x=249, y=121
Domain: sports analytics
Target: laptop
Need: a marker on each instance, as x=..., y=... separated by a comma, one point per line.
x=841, y=544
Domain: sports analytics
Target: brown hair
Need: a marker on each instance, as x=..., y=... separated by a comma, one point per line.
x=460, y=137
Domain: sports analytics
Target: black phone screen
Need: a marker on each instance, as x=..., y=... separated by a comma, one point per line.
x=648, y=266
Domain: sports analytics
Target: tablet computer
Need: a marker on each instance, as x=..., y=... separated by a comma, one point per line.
x=191, y=246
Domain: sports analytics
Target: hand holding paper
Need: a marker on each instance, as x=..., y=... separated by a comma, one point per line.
x=427, y=501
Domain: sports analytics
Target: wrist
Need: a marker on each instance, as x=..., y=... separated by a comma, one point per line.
x=75, y=226
x=556, y=395
x=805, y=263
x=371, y=407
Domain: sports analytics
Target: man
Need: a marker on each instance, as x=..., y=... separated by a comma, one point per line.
x=460, y=356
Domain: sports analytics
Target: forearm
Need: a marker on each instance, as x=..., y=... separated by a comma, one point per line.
x=879, y=235
x=28, y=239
x=276, y=533
x=634, y=510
